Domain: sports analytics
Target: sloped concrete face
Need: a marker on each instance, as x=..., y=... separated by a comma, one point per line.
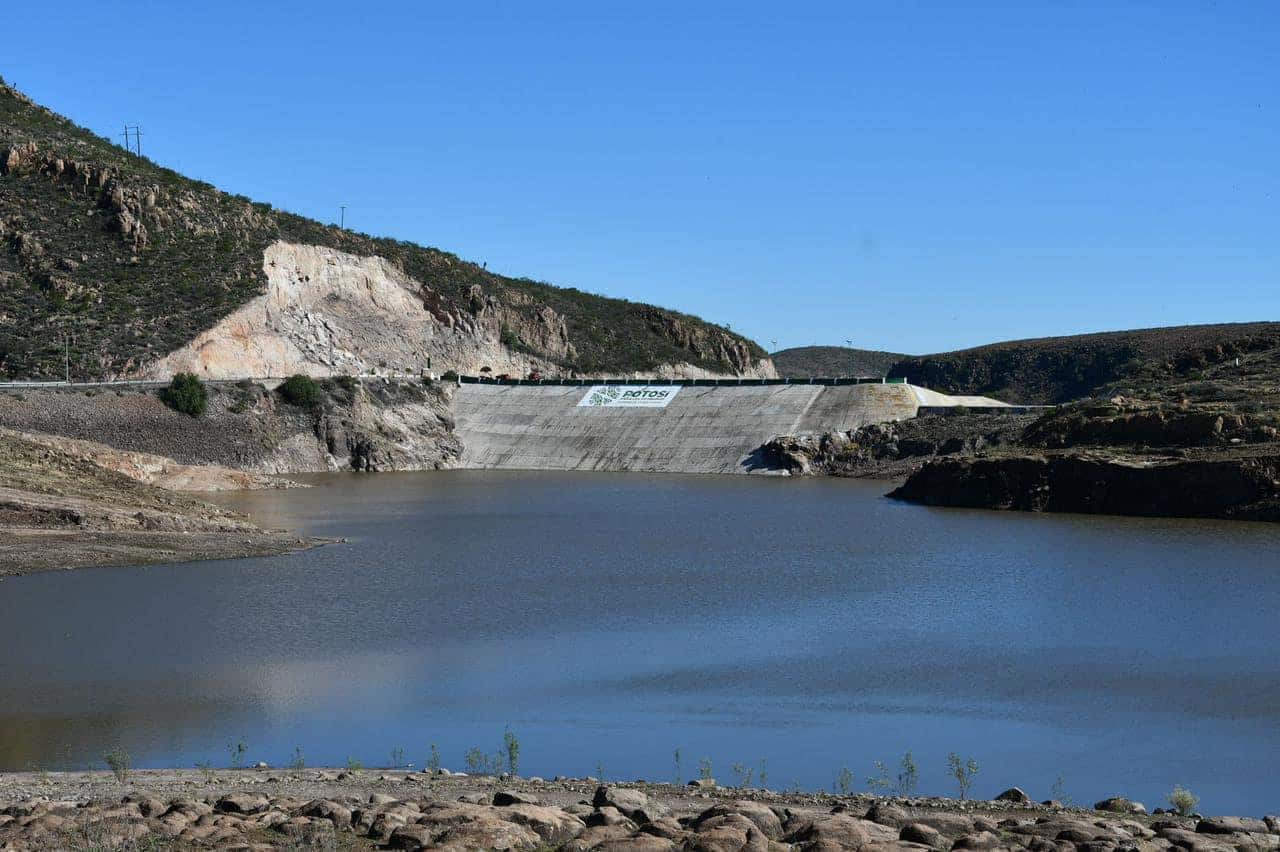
x=702, y=430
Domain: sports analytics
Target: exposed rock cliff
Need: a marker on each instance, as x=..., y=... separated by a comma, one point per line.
x=888, y=450
x=1239, y=488
x=327, y=312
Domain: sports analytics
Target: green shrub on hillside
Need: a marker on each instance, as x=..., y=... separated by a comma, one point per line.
x=301, y=391
x=186, y=394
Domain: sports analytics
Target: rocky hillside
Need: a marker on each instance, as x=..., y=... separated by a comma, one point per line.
x=133, y=261
x=833, y=362
x=1059, y=369
x=1192, y=431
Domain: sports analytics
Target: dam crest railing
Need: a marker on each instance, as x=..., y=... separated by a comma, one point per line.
x=700, y=383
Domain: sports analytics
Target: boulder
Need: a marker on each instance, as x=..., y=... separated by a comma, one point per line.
x=761, y=815
x=1193, y=842
x=601, y=837
x=411, y=837
x=1231, y=825
x=729, y=832
x=609, y=815
x=631, y=803
x=1120, y=805
x=553, y=825
x=918, y=832
x=1014, y=794
x=339, y=815
x=666, y=827
x=242, y=803
x=1075, y=835
x=949, y=824
x=489, y=834
x=887, y=814
x=835, y=831
x=977, y=840
x=514, y=797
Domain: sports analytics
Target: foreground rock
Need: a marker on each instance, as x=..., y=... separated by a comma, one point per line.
x=411, y=811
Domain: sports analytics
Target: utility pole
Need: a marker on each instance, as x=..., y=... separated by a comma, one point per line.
x=342, y=218
x=136, y=131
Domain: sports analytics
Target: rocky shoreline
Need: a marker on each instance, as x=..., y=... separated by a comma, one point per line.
x=263, y=809
x=1243, y=487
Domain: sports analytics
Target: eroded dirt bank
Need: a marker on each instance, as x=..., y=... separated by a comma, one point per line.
x=332, y=809
x=70, y=504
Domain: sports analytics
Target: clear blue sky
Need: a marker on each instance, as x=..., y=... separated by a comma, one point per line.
x=912, y=176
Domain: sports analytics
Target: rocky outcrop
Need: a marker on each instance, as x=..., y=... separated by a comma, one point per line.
x=1120, y=421
x=891, y=449
x=358, y=425
x=327, y=313
x=1244, y=488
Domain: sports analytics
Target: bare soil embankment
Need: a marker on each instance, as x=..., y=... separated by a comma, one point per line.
x=68, y=506
x=332, y=809
x=370, y=424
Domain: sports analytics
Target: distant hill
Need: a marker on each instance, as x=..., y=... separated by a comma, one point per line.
x=833, y=361
x=135, y=260
x=1051, y=370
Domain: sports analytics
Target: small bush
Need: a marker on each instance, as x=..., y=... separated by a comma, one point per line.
x=449, y=376
x=236, y=751
x=186, y=394
x=301, y=391
x=119, y=763
x=297, y=761
x=963, y=771
x=1183, y=800
x=512, y=747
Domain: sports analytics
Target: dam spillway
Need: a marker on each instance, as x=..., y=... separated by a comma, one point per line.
x=699, y=429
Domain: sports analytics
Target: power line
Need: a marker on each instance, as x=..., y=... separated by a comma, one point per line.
x=136, y=131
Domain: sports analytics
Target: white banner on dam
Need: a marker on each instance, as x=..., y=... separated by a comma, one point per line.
x=629, y=396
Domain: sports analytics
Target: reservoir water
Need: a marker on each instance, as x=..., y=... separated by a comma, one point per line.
x=610, y=619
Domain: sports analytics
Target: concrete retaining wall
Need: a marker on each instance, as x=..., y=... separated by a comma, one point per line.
x=702, y=430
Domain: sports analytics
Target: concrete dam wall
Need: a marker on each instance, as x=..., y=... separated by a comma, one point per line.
x=696, y=430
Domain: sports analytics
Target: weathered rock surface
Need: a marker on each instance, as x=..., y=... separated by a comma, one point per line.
x=410, y=811
x=1242, y=488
